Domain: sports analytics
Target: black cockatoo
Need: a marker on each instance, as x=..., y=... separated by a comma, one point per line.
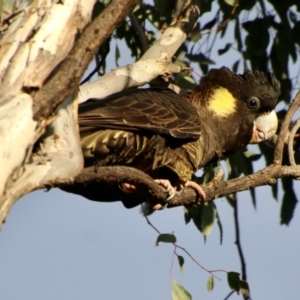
x=171, y=136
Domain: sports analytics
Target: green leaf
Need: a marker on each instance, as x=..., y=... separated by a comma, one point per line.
x=237, y=35
x=179, y=292
x=244, y=288
x=201, y=59
x=210, y=283
x=258, y=38
x=187, y=216
x=186, y=82
x=181, y=263
x=166, y=238
x=252, y=155
x=268, y=155
x=247, y=4
x=208, y=218
x=220, y=226
x=289, y=201
x=204, y=216
x=249, y=157
x=117, y=55
x=196, y=214
x=195, y=34
x=292, y=16
x=210, y=24
x=98, y=8
x=230, y=2
x=225, y=49
x=235, y=283
x=233, y=279
x=210, y=173
x=162, y=5
x=235, y=66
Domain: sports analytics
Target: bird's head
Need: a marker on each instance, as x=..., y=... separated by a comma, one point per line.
x=242, y=104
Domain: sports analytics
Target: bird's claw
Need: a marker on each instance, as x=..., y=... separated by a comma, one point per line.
x=128, y=187
x=170, y=189
x=196, y=187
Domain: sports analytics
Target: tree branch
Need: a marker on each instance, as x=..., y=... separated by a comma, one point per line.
x=103, y=184
x=155, y=61
x=284, y=130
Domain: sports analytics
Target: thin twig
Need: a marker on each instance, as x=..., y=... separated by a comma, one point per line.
x=284, y=130
x=149, y=223
x=291, y=142
x=237, y=237
x=229, y=295
x=98, y=65
x=176, y=246
x=236, y=4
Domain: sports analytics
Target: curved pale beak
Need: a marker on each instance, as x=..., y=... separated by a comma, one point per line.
x=265, y=127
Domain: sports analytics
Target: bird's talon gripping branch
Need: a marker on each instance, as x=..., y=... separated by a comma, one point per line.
x=197, y=189
x=170, y=189
x=167, y=185
x=158, y=206
x=127, y=187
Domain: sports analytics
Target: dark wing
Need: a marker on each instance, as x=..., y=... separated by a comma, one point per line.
x=155, y=110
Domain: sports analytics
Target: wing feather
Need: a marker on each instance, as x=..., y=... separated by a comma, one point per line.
x=154, y=110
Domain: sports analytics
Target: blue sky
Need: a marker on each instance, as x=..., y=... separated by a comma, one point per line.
x=60, y=246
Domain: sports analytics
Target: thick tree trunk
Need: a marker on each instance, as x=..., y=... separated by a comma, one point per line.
x=42, y=61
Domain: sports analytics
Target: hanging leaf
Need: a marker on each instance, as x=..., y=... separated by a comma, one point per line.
x=225, y=49
x=210, y=283
x=166, y=238
x=220, y=226
x=233, y=279
x=204, y=216
x=179, y=292
x=235, y=283
x=230, y=2
x=289, y=201
x=181, y=263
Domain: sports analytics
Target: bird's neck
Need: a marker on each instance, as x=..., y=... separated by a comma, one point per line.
x=220, y=136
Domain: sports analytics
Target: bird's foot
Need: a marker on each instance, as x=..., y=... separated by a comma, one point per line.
x=196, y=187
x=170, y=189
x=148, y=208
x=128, y=187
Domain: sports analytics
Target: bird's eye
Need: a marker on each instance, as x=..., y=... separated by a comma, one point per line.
x=253, y=102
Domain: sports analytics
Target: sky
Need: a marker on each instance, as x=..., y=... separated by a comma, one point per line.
x=61, y=246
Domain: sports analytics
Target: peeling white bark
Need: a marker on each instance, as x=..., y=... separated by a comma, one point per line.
x=129, y=76
x=59, y=160
x=17, y=133
x=39, y=38
x=155, y=62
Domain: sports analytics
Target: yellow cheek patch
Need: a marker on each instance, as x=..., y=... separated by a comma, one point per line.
x=222, y=103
